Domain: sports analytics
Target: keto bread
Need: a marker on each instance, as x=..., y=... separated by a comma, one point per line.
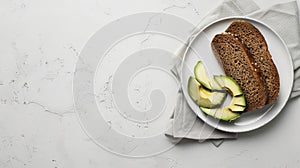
x=235, y=60
x=243, y=53
x=256, y=45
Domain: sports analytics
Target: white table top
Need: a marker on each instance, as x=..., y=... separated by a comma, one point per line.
x=40, y=42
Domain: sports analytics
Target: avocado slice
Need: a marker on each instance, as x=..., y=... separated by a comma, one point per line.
x=203, y=97
x=238, y=104
x=239, y=100
x=207, y=93
x=201, y=76
x=221, y=113
x=236, y=108
x=229, y=83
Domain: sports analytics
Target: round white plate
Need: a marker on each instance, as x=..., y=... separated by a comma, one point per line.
x=200, y=49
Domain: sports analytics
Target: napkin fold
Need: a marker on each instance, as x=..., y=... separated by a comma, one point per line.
x=283, y=18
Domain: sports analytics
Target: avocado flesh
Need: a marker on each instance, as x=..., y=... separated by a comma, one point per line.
x=229, y=83
x=208, y=96
x=236, y=108
x=239, y=100
x=201, y=76
x=237, y=104
x=203, y=97
x=221, y=113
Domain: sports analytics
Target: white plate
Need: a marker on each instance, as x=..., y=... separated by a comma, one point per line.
x=200, y=49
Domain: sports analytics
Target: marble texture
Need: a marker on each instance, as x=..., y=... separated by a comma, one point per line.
x=40, y=43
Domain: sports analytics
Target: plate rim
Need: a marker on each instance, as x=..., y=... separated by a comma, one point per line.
x=290, y=59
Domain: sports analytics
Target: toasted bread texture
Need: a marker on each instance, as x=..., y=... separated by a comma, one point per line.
x=256, y=45
x=237, y=63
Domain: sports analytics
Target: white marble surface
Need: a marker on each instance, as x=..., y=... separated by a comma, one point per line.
x=40, y=43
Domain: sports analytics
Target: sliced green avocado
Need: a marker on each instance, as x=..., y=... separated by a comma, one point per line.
x=206, y=93
x=201, y=76
x=215, y=97
x=221, y=113
x=236, y=108
x=193, y=88
x=203, y=97
x=237, y=104
x=229, y=83
x=239, y=100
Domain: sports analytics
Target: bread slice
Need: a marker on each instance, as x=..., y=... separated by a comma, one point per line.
x=256, y=45
x=235, y=60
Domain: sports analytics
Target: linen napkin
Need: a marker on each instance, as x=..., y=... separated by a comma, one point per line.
x=283, y=18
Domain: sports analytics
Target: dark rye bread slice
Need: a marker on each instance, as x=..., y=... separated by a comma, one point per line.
x=235, y=61
x=256, y=45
